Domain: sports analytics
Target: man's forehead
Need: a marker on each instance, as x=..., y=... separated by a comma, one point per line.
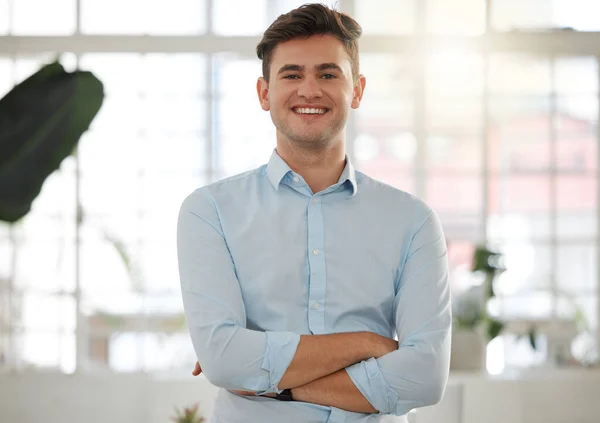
x=310, y=53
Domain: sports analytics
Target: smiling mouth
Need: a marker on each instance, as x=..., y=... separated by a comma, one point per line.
x=309, y=111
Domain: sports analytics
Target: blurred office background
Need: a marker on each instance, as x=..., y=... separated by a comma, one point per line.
x=487, y=109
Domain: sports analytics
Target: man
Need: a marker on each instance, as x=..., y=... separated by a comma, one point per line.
x=296, y=276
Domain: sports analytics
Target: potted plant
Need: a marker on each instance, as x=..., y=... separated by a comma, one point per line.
x=188, y=415
x=473, y=327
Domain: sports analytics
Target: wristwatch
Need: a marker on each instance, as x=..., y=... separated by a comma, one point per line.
x=285, y=395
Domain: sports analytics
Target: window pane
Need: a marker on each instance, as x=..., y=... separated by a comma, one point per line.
x=384, y=115
x=53, y=313
x=172, y=114
x=577, y=206
x=580, y=15
x=528, y=269
x=518, y=193
x=107, y=282
x=519, y=207
x=131, y=352
x=576, y=269
x=576, y=145
x=110, y=193
x=519, y=354
x=536, y=305
x=158, y=266
x=121, y=73
x=588, y=305
x=460, y=260
x=42, y=17
x=458, y=17
x=279, y=7
x=454, y=152
x=57, y=197
x=159, y=17
x=179, y=154
x=454, y=113
x=161, y=196
x=576, y=75
x=462, y=226
x=454, y=193
x=387, y=168
x=579, y=108
x=530, y=14
x=457, y=200
x=27, y=64
x=179, y=73
x=387, y=107
x=385, y=146
x=4, y=18
x=54, y=257
x=399, y=16
x=46, y=350
x=237, y=108
x=519, y=74
x=6, y=253
x=389, y=74
x=250, y=17
x=520, y=143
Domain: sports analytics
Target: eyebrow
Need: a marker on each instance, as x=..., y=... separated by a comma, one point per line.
x=321, y=67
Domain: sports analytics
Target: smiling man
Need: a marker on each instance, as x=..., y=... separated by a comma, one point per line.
x=312, y=292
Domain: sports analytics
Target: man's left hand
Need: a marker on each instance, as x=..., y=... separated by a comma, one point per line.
x=197, y=370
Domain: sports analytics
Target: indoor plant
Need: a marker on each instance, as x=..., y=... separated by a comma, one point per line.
x=473, y=327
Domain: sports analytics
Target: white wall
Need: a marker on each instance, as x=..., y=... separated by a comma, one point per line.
x=110, y=398
x=548, y=397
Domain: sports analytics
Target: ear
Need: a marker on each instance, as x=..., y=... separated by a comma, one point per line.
x=359, y=89
x=262, y=89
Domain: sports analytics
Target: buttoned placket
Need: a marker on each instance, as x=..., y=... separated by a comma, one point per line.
x=316, y=263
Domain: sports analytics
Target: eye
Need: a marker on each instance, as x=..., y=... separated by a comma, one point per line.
x=291, y=76
x=328, y=76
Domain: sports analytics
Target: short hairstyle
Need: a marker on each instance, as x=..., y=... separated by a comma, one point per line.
x=306, y=21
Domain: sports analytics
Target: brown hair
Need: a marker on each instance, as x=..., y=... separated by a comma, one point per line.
x=305, y=21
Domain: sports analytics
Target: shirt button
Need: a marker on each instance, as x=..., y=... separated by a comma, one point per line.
x=296, y=179
x=316, y=251
x=316, y=306
x=315, y=200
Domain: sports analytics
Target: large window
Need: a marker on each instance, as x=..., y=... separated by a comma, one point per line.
x=500, y=140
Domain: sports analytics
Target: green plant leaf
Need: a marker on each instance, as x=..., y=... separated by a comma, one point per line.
x=494, y=327
x=532, y=334
x=41, y=122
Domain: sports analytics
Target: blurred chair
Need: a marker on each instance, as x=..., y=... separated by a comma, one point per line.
x=449, y=409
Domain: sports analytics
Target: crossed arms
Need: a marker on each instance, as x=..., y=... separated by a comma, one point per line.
x=361, y=372
x=317, y=371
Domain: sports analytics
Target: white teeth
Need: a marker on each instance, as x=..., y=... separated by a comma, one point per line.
x=308, y=111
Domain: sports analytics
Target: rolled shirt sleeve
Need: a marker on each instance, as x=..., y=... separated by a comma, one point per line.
x=231, y=356
x=415, y=375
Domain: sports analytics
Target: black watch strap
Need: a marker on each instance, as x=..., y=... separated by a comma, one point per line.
x=285, y=395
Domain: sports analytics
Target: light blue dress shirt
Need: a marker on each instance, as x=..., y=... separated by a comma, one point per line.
x=263, y=260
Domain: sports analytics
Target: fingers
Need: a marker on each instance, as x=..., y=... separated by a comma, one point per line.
x=197, y=369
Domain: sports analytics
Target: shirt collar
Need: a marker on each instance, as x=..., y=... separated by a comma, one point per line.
x=277, y=168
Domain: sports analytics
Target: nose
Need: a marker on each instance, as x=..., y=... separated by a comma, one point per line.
x=309, y=88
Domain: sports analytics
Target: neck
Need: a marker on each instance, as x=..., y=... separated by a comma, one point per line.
x=320, y=168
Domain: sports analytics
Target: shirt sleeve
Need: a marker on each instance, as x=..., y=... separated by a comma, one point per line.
x=415, y=375
x=231, y=356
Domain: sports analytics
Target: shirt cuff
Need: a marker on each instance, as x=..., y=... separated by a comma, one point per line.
x=367, y=377
x=279, y=352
